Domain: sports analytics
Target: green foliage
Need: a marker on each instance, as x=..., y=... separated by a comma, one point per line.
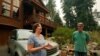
x=98, y=28
x=62, y=35
x=69, y=14
x=95, y=36
x=51, y=7
x=84, y=13
x=57, y=19
x=54, y=15
x=79, y=11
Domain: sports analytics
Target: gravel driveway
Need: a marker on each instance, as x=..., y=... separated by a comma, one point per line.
x=3, y=51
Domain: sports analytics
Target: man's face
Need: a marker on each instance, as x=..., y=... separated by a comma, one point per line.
x=80, y=27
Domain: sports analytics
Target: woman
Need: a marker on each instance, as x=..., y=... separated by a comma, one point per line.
x=36, y=43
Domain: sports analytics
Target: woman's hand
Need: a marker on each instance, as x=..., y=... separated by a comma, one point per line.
x=48, y=46
x=43, y=46
x=31, y=48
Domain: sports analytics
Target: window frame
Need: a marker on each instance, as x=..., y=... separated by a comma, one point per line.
x=11, y=7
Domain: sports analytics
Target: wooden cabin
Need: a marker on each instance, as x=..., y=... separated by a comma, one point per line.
x=16, y=14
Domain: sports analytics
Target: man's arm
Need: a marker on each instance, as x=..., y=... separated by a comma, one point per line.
x=87, y=37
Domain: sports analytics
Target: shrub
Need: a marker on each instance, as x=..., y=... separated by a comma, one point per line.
x=95, y=36
x=62, y=35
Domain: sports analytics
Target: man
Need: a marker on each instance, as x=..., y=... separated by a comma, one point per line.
x=80, y=40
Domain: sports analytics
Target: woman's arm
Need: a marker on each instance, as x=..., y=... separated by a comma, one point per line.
x=31, y=48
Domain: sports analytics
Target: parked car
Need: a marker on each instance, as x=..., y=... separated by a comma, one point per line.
x=17, y=44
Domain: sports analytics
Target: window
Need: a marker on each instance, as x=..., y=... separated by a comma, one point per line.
x=16, y=4
x=15, y=12
x=6, y=9
x=6, y=6
x=6, y=13
x=10, y=8
x=8, y=1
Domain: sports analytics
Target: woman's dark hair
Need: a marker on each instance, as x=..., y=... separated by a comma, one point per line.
x=35, y=26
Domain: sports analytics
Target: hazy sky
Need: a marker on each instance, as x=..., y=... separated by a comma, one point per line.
x=58, y=8
x=59, y=4
x=97, y=5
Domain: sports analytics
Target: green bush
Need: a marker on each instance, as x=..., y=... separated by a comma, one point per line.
x=62, y=35
x=98, y=28
x=95, y=36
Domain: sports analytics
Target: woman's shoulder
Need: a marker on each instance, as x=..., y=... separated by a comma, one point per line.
x=32, y=36
x=42, y=35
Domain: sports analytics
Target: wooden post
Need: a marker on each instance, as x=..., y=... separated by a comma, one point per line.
x=34, y=14
x=0, y=7
x=46, y=33
x=20, y=17
x=11, y=9
x=20, y=11
x=44, y=17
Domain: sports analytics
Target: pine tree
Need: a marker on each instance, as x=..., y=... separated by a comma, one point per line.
x=82, y=13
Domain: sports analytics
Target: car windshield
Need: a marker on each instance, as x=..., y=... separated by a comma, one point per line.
x=23, y=34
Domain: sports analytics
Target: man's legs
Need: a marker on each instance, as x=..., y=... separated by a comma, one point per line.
x=77, y=53
x=83, y=53
x=80, y=53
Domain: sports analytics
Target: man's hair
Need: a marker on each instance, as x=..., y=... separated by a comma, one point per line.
x=80, y=23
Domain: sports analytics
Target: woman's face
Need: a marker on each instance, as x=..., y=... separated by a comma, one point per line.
x=39, y=29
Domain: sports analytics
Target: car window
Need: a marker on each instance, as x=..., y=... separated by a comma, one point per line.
x=13, y=35
x=23, y=34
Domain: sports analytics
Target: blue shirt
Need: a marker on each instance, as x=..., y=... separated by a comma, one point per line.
x=33, y=39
